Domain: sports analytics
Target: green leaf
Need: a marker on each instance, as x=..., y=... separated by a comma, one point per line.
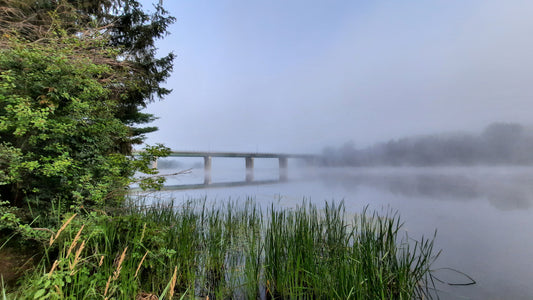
x=39, y=293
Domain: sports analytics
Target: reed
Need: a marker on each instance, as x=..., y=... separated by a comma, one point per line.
x=236, y=251
x=314, y=254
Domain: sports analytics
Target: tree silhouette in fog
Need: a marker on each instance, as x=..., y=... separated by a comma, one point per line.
x=499, y=143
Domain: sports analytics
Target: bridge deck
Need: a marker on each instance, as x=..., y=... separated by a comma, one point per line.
x=238, y=154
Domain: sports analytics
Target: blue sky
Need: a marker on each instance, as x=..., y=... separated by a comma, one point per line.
x=295, y=76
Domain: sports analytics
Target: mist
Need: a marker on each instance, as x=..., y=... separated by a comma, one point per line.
x=498, y=144
x=301, y=75
x=420, y=106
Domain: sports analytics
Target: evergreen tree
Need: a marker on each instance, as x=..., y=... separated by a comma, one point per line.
x=73, y=78
x=128, y=28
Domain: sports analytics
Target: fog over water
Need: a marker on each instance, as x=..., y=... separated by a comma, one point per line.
x=424, y=107
x=483, y=215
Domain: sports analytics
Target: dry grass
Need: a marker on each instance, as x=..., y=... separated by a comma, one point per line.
x=119, y=264
x=74, y=242
x=63, y=227
x=77, y=255
x=173, y=283
x=140, y=264
x=54, y=266
x=107, y=285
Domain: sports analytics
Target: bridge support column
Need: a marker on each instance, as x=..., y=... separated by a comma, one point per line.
x=249, y=169
x=283, y=168
x=207, y=170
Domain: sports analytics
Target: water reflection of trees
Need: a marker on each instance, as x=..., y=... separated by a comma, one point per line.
x=504, y=190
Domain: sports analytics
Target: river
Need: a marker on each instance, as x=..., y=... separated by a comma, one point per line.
x=483, y=215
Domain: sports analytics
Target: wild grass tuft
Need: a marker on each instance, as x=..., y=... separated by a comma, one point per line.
x=233, y=251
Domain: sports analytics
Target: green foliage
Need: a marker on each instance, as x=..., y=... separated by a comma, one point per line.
x=59, y=134
x=143, y=164
x=11, y=222
x=71, y=89
x=8, y=217
x=57, y=124
x=121, y=25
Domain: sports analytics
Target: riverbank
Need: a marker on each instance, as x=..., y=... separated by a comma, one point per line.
x=231, y=250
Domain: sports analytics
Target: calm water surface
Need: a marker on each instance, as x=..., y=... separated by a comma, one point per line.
x=483, y=216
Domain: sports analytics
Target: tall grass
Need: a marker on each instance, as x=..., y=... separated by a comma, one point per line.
x=232, y=251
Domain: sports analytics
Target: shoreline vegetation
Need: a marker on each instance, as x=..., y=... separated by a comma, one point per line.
x=75, y=77
x=229, y=250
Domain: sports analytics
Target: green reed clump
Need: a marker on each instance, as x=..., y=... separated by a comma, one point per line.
x=132, y=252
x=231, y=251
x=316, y=254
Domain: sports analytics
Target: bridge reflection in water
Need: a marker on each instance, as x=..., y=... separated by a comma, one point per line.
x=249, y=163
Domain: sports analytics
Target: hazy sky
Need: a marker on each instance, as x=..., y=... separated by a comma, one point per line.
x=295, y=76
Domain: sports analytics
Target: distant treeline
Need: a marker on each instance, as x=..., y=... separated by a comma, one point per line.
x=497, y=144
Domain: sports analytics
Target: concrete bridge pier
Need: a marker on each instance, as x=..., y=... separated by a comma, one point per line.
x=207, y=170
x=249, y=169
x=283, y=168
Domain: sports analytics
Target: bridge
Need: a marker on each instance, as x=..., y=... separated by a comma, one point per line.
x=249, y=163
